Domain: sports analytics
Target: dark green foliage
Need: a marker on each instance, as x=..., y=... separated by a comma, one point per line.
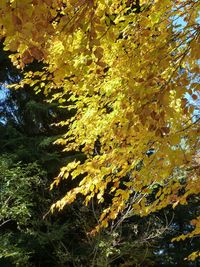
x=172, y=254
x=22, y=189
x=7, y=71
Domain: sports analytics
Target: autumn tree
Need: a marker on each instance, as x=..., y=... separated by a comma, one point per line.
x=29, y=235
x=127, y=69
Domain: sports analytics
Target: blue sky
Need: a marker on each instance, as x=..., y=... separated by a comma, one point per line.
x=2, y=91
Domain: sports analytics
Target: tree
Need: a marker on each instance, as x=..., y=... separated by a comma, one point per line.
x=124, y=68
x=28, y=236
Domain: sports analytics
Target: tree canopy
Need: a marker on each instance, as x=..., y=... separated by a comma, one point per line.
x=128, y=71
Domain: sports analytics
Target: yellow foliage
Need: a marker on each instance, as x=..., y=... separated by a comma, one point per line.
x=127, y=71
